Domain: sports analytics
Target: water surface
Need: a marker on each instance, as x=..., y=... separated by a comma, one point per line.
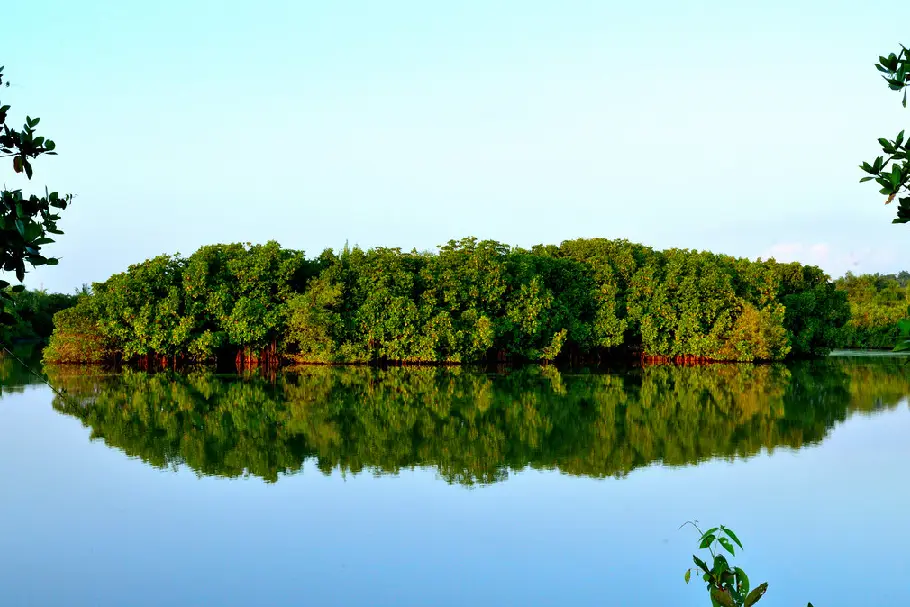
x=440, y=486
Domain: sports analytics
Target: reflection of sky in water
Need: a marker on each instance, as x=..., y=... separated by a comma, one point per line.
x=84, y=525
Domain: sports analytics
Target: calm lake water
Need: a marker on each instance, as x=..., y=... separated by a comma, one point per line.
x=427, y=486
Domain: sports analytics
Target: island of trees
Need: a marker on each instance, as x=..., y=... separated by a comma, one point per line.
x=585, y=300
x=471, y=301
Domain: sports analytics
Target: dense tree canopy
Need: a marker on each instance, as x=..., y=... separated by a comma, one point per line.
x=32, y=315
x=25, y=221
x=471, y=301
x=878, y=302
x=473, y=427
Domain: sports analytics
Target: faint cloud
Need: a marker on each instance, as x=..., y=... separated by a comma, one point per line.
x=816, y=254
x=833, y=260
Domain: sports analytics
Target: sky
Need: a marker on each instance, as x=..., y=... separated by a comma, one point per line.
x=725, y=126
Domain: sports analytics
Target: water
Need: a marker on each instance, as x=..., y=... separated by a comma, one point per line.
x=356, y=486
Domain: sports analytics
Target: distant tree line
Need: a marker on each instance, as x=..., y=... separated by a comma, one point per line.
x=877, y=303
x=471, y=301
x=31, y=315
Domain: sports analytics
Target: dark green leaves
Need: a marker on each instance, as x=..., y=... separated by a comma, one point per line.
x=895, y=69
x=24, y=222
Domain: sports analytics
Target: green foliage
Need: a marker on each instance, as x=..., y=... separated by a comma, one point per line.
x=877, y=305
x=727, y=586
x=903, y=338
x=31, y=315
x=222, y=297
x=472, y=426
x=891, y=170
x=472, y=301
x=815, y=311
x=25, y=221
x=78, y=335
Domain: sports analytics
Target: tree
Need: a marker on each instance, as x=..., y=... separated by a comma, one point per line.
x=892, y=170
x=24, y=222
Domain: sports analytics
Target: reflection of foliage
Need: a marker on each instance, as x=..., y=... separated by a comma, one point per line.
x=14, y=376
x=473, y=427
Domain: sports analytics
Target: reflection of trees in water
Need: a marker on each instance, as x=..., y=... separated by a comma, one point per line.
x=14, y=375
x=473, y=427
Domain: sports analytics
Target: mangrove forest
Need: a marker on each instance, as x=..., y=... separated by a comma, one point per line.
x=470, y=301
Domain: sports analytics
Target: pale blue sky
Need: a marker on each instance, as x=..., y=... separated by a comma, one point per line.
x=728, y=126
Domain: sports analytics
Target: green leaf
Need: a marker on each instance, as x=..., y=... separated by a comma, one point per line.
x=688, y=575
x=702, y=565
x=32, y=231
x=706, y=541
x=865, y=179
x=17, y=288
x=726, y=545
x=755, y=595
x=742, y=580
x=722, y=598
x=720, y=565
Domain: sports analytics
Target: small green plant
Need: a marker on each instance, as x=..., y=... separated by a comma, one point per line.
x=728, y=586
